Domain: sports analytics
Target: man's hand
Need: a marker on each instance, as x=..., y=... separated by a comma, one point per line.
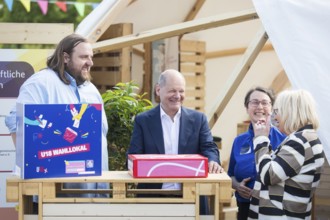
x=214, y=167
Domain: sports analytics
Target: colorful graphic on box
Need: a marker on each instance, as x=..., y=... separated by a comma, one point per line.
x=60, y=140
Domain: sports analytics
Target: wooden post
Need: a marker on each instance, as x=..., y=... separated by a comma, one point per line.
x=114, y=66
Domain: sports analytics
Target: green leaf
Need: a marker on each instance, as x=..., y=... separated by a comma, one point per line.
x=121, y=105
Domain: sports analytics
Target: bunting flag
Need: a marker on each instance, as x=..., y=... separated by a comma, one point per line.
x=9, y=4
x=26, y=4
x=61, y=5
x=94, y=5
x=43, y=5
x=80, y=8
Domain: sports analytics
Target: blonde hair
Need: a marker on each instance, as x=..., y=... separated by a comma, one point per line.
x=297, y=109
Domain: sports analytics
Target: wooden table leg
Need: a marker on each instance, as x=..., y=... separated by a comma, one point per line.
x=20, y=202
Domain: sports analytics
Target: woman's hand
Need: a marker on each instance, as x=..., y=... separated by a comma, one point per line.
x=262, y=127
x=243, y=190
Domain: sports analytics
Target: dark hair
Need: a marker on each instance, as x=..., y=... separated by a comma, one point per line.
x=56, y=61
x=268, y=92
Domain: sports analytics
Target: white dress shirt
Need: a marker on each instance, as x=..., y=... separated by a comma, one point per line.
x=171, y=130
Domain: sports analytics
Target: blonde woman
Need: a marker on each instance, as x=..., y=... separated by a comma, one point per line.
x=287, y=177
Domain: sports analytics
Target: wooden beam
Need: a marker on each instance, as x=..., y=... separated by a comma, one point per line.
x=193, y=12
x=233, y=52
x=238, y=75
x=174, y=30
x=34, y=33
x=280, y=82
x=132, y=1
x=147, y=67
x=138, y=52
x=192, y=46
x=96, y=31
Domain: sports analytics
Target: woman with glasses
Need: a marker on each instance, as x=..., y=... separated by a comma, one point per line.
x=242, y=169
x=288, y=176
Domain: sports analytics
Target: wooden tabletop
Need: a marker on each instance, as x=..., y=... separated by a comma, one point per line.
x=124, y=176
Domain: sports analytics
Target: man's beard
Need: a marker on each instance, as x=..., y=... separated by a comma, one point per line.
x=78, y=75
x=80, y=78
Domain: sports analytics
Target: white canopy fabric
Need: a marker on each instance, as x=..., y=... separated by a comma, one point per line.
x=300, y=34
x=92, y=19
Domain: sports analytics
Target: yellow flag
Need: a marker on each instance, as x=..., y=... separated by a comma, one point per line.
x=26, y=4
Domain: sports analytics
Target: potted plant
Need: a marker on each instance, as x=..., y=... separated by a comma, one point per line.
x=121, y=104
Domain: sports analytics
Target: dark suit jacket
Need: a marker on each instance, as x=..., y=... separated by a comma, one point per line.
x=194, y=136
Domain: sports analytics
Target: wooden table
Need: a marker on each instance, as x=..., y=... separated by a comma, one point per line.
x=121, y=202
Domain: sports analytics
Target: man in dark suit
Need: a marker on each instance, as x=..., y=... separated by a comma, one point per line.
x=170, y=128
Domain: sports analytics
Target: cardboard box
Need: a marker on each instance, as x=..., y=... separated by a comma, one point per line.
x=51, y=143
x=167, y=166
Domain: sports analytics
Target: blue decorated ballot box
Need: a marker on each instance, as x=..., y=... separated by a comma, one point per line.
x=58, y=140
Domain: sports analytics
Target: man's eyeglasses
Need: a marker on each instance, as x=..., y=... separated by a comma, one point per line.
x=256, y=103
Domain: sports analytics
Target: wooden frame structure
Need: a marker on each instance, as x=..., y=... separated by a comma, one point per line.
x=184, y=28
x=193, y=26
x=112, y=67
x=175, y=30
x=28, y=33
x=119, y=205
x=192, y=67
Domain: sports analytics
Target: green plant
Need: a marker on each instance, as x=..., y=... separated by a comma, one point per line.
x=121, y=105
